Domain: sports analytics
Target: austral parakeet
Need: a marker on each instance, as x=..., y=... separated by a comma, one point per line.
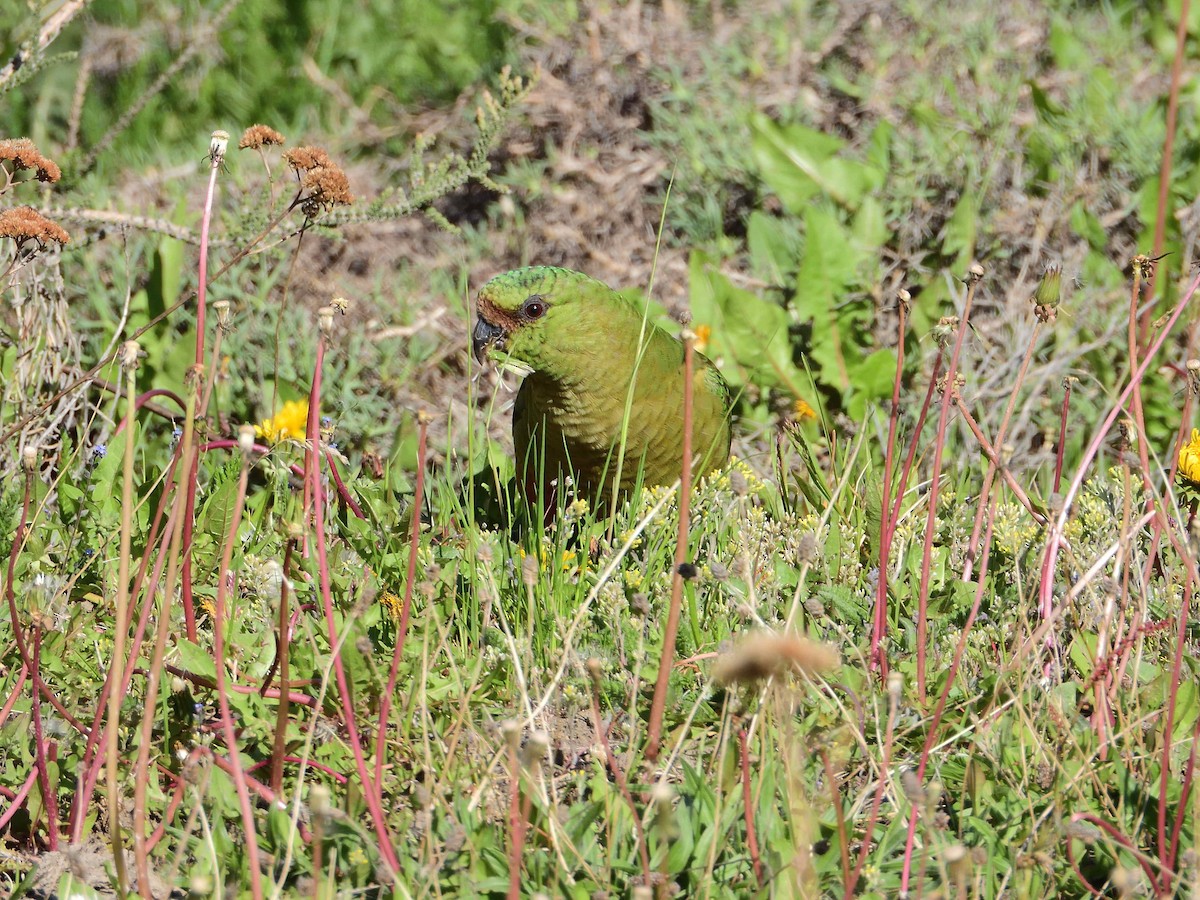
x=578, y=342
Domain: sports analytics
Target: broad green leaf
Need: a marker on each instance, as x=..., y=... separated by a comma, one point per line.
x=958, y=237
x=773, y=248
x=798, y=162
x=196, y=659
x=747, y=335
x=166, y=277
x=871, y=381
x=830, y=263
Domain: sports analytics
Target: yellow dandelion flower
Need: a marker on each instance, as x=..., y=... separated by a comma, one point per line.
x=1189, y=459
x=801, y=411
x=703, y=333
x=392, y=603
x=290, y=423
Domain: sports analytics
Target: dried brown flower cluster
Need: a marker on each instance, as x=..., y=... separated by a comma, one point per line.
x=25, y=223
x=324, y=182
x=25, y=155
x=258, y=136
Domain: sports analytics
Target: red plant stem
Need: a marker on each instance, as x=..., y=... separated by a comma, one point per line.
x=149, y=703
x=993, y=458
x=1054, y=540
x=224, y=576
x=49, y=798
x=1166, y=850
x=944, y=697
x=143, y=401
x=202, y=285
x=618, y=776
x=208, y=683
x=168, y=813
x=1116, y=835
x=1189, y=774
x=1164, y=170
x=307, y=763
x=32, y=663
x=748, y=806
x=282, y=648
x=345, y=494
x=659, y=703
x=993, y=454
x=313, y=472
x=877, y=800
x=1139, y=418
x=1062, y=435
x=10, y=580
x=19, y=799
x=878, y=656
x=935, y=482
x=189, y=513
x=911, y=457
x=516, y=824
x=414, y=543
x=14, y=693
x=1182, y=437
x=96, y=736
x=343, y=491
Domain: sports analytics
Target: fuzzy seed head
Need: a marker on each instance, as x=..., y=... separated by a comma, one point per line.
x=325, y=320
x=131, y=352
x=318, y=800
x=529, y=571
x=246, y=439
x=222, y=308
x=217, y=146
x=765, y=654
x=510, y=730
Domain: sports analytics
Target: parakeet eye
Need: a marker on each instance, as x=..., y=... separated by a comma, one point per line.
x=534, y=308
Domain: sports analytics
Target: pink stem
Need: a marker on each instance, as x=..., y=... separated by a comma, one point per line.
x=406, y=607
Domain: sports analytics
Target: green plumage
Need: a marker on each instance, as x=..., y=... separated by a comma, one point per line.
x=580, y=341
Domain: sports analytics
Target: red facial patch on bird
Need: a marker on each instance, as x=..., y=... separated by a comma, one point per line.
x=507, y=319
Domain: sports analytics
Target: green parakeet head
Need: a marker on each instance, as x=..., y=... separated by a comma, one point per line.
x=519, y=311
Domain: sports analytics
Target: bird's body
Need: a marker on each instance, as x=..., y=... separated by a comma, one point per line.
x=579, y=341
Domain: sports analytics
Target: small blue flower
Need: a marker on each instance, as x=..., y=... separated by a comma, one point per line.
x=99, y=452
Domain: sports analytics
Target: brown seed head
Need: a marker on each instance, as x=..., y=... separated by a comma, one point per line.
x=257, y=136
x=323, y=181
x=25, y=222
x=25, y=155
x=304, y=159
x=327, y=187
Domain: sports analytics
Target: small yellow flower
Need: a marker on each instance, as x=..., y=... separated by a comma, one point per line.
x=801, y=410
x=1189, y=459
x=392, y=603
x=290, y=423
x=703, y=333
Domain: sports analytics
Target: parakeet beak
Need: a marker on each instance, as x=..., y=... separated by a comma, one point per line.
x=484, y=336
